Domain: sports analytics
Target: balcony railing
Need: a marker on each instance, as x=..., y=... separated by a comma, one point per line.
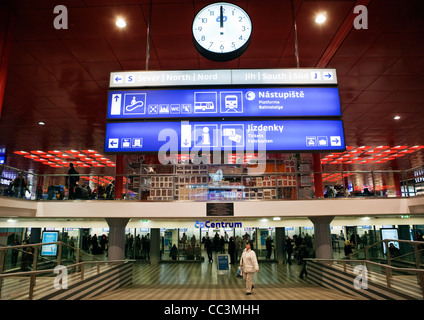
x=206, y=183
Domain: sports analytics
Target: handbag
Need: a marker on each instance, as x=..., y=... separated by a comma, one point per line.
x=238, y=274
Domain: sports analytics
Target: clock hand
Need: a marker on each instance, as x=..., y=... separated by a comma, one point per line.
x=221, y=20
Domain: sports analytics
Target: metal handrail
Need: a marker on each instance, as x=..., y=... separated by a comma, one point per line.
x=33, y=274
x=386, y=243
x=388, y=269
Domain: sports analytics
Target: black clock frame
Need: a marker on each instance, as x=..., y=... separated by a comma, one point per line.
x=217, y=56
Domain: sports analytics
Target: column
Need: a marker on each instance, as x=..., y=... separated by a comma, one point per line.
x=119, y=170
x=6, y=27
x=154, y=246
x=404, y=234
x=116, y=238
x=280, y=244
x=322, y=234
x=35, y=236
x=317, y=169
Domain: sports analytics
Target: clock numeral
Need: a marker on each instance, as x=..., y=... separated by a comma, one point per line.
x=211, y=13
x=241, y=19
x=221, y=47
x=233, y=44
x=200, y=29
x=211, y=43
x=204, y=20
x=202, y=38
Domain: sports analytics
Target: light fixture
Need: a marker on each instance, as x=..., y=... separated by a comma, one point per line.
x=41, y=123
x=320, y=18
x=11, y=220
x=121, y=23
x=396, y=118
x=276, y=218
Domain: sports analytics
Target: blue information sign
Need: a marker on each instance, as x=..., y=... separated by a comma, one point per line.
x=234, y=102
x=266, y=135
x=49, y=250
x=223, y=262
x=2, y=155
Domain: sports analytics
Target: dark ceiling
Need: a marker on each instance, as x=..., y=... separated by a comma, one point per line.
x=61, y=77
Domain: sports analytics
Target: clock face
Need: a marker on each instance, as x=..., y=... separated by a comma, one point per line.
x=221, y=31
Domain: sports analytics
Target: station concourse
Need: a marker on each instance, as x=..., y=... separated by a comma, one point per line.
x=306, y=126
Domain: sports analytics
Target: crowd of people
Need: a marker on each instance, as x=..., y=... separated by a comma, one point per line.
x=94, y=244
x=137, y=247
x=299, y=246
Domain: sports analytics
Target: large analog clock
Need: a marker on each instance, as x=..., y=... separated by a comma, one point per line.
x=221, y=31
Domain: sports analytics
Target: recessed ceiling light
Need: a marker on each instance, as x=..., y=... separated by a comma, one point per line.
x=41, y=123
x=121, y=23
x=320, y=18
x=396, y=118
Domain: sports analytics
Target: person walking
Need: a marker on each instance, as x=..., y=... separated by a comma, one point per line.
x=303, y=254
x=208, y=247
x=289, y=250
x=249, y=265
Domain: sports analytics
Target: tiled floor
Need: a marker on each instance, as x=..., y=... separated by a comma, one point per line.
x=203, y=281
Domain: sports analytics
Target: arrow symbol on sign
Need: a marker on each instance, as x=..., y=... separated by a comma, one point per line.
x=116, y=97
x=328, y=75
x=186, y=142
x=112, y=143
x=118, y=79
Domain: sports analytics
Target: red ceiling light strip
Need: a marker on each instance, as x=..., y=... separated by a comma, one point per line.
x=59, y=159
x=367, y=154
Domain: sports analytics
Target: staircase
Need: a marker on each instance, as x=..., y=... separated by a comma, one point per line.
x=335, y=276
x=94, y=283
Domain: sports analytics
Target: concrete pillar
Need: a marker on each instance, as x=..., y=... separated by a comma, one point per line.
x=154, y=246
x=117, y=238
x=404, y=234
x=322, y=237
x=35, y=236
x=317, y=169
x=280, y=244
x=119, y=170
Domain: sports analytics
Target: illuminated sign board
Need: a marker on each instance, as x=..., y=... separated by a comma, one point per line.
x=297, y=76
x=234, y=102
x=2, y=155
x=266, y=135
x=49, y=250
x=389, y=234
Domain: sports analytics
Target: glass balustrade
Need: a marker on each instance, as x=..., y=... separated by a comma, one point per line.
x=213, y=182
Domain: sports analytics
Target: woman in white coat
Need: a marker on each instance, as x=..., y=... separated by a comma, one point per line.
x=249, y=265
